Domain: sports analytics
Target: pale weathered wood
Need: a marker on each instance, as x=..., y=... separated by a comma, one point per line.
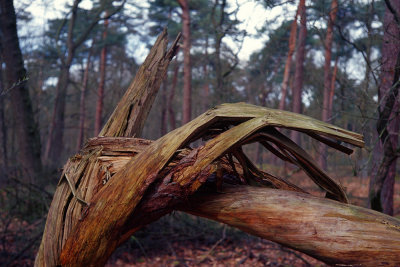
x=331, y=231
x=85, y=171
x=131, y=112
x=115, y=203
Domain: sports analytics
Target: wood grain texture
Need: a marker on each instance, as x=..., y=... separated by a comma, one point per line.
x=93, y=240
x=87, y=171
x=336, y=233
x=131, y=112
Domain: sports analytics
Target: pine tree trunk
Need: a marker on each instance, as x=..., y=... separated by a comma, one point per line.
x=55, y=139
x=55, y=145
x=27, y=134
x=292, y=46
x=332, y=88
x=171, y=112
x=218, y=22
x=381, y=185
x=3, y=131
x=206, y=86
x=327, y=78
x=164, y=112
x=187, y=67
x=299, y=71
x=82, y=105
x=100, y=91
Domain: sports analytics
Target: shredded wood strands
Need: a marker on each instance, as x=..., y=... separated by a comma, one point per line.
x=232, y=125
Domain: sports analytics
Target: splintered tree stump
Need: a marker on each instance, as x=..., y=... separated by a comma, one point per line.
x=118, y=184
x=79, y=180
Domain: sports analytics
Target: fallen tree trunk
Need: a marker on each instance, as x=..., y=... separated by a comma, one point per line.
x=231, y=125
x=116, y=185
x=330, y=231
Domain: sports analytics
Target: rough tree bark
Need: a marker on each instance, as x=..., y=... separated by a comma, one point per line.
x=100, y=90
x=288, y=64
x=27, y=133
x=327, y=77
x=187, y=65
x=382, y=184
x=299, y=69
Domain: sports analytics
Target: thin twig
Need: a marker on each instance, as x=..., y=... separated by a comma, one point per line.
x=207, y=254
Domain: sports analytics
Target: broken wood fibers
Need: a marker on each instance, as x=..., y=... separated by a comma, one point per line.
x=94, y=239
x=332, y=232
x=83, y=171
x=165, y=172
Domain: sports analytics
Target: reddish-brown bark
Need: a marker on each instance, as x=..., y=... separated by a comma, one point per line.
x=327, y=77
x=292, y=46
x=187, y=66
x=164, y=112
x=299, y=70
x=332, y=89
x=100, y=90
x=206, y=86
x=171, y=112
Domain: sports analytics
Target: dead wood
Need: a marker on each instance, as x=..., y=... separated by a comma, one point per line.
x=233, y=125
x=131, y=112
x=83, y=174
x=116, y=185
x=336, y=233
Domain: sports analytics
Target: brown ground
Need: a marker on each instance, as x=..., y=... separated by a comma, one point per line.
x=225, y=253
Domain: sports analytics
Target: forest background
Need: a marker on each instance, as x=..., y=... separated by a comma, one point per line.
x=62, y=75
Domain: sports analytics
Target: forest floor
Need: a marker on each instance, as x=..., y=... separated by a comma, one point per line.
x=180, y=239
